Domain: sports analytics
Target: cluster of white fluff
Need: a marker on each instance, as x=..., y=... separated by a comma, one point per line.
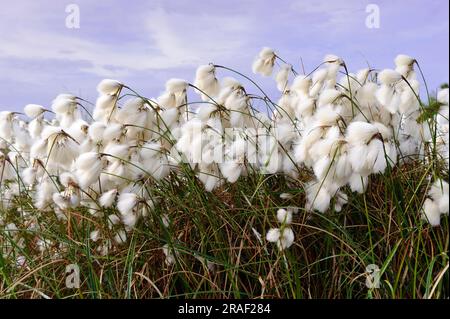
x=442, y=132
x=282, y=236
x=341, y=127
x=437, y=203
x=264, y=62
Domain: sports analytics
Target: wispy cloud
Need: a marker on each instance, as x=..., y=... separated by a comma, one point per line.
x=191, y=39
x=146, y=42
x=332, y=16
x=168, y=40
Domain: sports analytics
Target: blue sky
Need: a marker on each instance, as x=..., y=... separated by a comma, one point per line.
x=144, y=43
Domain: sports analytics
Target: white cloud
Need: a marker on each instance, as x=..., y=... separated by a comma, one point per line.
x=43, y=45
x=191, y=39
x=332, y=15
x=167, y=40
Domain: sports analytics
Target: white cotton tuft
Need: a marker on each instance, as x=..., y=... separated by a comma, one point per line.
x=443, y=95
x=169, y=118
x=44, y=193
x=127, y=202
x=113, y=132
x=329, y=96
x=273, y=235
x=388, y=76
x=129, y=220
x=104, y=105
x=64, y=96
x=375, y=158
x=205, y=111
x=341, y=200
x=266, y=53
x=362, y=76
x=231, y=171
x=431, y=212
x=230, y=82
x=264, y=62
x=29, y=175
x=317, y=197
x=358, y=183
x=358, y=159
x=287, y=238
x=96, y=130
x=108, y=198
x=439, y=192
x=33, y=110
x=68, y=179
x=444, y=205
x=206, y=81
x=360, y=133
x=284, y=216
x=326, y=116
x=282, y=77
x=61, y=201
x=117, y=151
x=87, y=160
x=331, y=58
x=404, y=60
x=301, y=84
x=385, y=132
x=39, y=149
x=110, y=87
x=319, y=76
x=176, y=85
x=438, y=189
x=284, y=238
x=322, y=167
x=167, y=100
x=64, y=105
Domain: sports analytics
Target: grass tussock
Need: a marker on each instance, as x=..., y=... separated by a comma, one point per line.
x=218, y=255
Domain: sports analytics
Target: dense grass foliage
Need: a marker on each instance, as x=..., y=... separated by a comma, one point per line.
x=219, y=255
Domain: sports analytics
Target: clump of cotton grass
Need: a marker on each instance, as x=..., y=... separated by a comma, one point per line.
x=331, y=135
x=132, y=207
x=437, y=203
x=34, y=110
x=318, y=197
x=404, y=65
x=282, y=77
x=109, y=87
x=106, y=109
x=88, y=167
x=283, y=236
x=206, y=81
x=108, y=198
x=264, y=62
x=66, y=109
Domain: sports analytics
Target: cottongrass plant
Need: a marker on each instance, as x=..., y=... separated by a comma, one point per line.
x=214, y=189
